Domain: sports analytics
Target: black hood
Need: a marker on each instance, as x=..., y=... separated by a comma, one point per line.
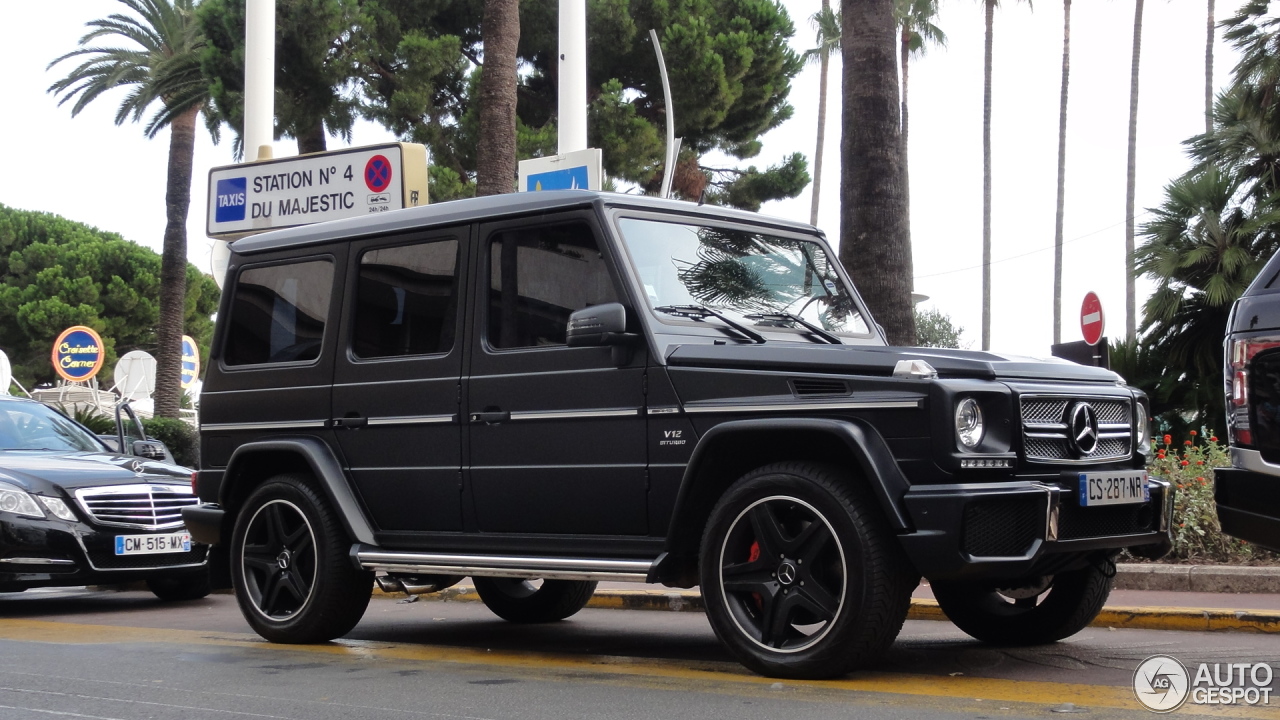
x=863, y=360
x=36, y=471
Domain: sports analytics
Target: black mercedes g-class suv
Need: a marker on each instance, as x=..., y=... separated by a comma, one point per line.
x=546, y=390
x=1248, y=493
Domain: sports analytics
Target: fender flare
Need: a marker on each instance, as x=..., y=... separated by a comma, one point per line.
x=326, y=469
x=875, y=462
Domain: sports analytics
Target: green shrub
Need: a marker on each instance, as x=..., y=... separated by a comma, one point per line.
x=91, y=417
x=181, y=439
x=1197, y=535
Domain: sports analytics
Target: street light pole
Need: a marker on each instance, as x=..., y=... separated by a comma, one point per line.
x=259, y=79
x=572, y=120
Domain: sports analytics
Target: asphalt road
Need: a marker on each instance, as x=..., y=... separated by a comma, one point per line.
x=126, y=656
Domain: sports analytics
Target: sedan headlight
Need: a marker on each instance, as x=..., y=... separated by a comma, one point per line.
x=969, y=427
x=18, y=502
x=58, y=508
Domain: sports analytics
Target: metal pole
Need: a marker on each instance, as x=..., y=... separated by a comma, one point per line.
x=259, y=78
x=573, y=76
x=669, y=167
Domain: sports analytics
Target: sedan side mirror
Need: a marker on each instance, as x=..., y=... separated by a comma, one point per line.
x=150, y=449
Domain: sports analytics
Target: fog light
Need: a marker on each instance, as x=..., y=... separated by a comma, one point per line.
x=996, y=463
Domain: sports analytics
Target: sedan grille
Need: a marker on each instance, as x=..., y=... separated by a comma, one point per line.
x=1046, y=429
x=145, y=507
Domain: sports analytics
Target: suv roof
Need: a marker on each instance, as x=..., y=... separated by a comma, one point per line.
x=489, y=208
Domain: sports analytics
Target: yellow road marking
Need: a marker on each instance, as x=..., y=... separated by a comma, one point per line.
x=621, y=668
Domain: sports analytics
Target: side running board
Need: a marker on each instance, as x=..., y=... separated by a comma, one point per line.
x=547, y=568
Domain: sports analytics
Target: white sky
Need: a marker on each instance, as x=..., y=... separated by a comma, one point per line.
x=111, y=177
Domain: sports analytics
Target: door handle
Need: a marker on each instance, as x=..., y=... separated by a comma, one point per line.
x=350, y=423
x=491, y=417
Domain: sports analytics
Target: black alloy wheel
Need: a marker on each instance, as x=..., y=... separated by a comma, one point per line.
x=278, y=559
x=521, y=600
x=801, y=575
x=782, y=573
x=291, y=569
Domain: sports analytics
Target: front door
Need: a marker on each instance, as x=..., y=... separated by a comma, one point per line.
x=396, y=391
x=556, y=434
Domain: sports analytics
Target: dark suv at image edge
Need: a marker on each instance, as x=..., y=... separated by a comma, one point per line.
x=542, y=391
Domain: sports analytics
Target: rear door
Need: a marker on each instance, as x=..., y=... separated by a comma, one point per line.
x=396, y=379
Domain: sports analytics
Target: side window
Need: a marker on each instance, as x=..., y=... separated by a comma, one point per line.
x=537, y=277
x=406, y=300
x=278, y=313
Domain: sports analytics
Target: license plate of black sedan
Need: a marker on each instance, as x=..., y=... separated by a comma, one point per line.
x=1114, y=488
x=153, y=544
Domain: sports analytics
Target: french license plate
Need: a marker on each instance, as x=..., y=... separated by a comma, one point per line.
x=153, y=544
x=1114, y=488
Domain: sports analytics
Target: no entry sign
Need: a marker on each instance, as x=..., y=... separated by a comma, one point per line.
x=1092, y=323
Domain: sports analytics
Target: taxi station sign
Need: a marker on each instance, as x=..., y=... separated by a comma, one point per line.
x=273, y=194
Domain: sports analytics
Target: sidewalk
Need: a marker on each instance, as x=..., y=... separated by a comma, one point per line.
x=1153, y=609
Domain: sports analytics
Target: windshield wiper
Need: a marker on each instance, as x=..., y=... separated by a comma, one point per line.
x=786, y=316
x=698, y=312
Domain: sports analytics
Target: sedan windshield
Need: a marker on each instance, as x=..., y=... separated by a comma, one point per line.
x=754, y=278
x=32, y=426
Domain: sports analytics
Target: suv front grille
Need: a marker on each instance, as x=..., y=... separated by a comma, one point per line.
x=152, y=506
x=1002, y=527
x=1046, y=429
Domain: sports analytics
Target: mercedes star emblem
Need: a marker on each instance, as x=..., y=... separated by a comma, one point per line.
x=1084, y=428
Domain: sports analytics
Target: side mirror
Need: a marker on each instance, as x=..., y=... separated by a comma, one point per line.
x=150, y=449
x=599, y=325
x=128, y=428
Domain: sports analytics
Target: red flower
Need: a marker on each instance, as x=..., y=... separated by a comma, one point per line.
x=1199, y=462
x=1186, y=442
x=1213, y=438
x=1160, y=454
x=1193, y=433
x=1185, y=463
x=1168, y=439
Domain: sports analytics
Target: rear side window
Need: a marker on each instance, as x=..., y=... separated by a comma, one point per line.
x=538, y=276
x=406, y=300
x=278, y=313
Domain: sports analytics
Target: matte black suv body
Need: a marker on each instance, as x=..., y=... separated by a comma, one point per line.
x=1248, y=493
x=572, y=387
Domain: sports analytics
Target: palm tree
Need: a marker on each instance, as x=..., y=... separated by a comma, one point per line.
x=874, y=243
x=1202, y=250
x=1062, y=173
x=1130, y=301
x=990, y=8
x=496, y=153
x=159, y=65
x=1208, y=72
x=827, y=23
x=916, y=31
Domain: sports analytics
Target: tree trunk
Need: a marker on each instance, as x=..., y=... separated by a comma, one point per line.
x=824, y=62
x=905, y=52
x=1130, y=304
x=1208, y=73
x=313, y=140
x=173, y=265
x=874, y=246
x=986, y=179
x=1062, y=173
x=496, y=153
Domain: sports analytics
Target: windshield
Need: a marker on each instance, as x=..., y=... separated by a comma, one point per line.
x=32, y=426
x=740, y=273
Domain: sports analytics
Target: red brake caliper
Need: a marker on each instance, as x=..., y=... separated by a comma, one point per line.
x=753, y=556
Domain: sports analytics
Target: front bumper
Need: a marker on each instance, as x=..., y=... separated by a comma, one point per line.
x=1248, y=498
x=45, y=553
x=1021, y=528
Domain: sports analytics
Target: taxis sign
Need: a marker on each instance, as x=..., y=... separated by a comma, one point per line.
x=78, y=354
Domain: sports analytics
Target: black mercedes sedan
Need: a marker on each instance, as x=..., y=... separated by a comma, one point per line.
x=74, y=512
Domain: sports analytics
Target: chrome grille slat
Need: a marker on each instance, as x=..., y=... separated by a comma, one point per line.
x=152, y=506
x=1045, y=427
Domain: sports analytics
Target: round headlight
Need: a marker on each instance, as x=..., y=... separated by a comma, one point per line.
x=1142, y=434
x=969, y=427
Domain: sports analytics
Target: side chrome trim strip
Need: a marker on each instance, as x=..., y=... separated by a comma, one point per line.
x=280, y=425
x=36, y=561
x=552, y=568
x=871, y=405
x=411, y=420
x=572, y=414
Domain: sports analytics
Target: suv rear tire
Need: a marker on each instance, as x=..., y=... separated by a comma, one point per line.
x=1064, y=607
x=801, y=575
x=290, y=565
x=518, y=600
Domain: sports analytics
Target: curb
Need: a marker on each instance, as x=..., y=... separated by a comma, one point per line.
x=1143, y=618
x=1198, y=578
